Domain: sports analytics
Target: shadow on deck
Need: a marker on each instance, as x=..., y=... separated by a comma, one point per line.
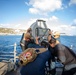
x=17, y=72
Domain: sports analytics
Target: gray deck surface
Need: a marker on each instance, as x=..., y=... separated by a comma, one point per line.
x=17, y=72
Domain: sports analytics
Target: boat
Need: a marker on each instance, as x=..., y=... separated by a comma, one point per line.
x=9, y=67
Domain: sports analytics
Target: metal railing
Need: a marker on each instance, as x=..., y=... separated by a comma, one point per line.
x=10, y=56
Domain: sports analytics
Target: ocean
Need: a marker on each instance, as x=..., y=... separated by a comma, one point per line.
x=69, y=41
x=7, y=42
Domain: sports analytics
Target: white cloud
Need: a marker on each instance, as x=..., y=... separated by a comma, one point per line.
x=0, y=25
x=72, y=2
x=54, y=18
x=34, y=10
x=44, y=6
x=74, y=21
x=5, y=25
x=69, y=29
x=27, y=3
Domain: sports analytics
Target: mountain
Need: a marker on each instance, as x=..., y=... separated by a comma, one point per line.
x=11, y=31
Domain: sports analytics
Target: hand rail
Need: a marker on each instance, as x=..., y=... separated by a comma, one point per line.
x=9, y=55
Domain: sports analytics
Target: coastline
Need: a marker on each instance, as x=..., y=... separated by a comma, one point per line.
x=4, y=34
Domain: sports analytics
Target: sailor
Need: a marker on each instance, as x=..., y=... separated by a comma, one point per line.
x=26, y=37
x=55, y=35
x=37, y=67
x=66, y=57
x=29, y=30
x=53, y=54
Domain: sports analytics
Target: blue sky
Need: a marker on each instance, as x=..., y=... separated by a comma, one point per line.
x=59, y=15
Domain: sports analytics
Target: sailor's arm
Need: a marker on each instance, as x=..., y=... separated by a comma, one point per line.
x=61, y=54
x=37, y=40
x=62, y=57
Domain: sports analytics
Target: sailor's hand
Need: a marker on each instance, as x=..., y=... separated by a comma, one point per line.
x=37, y=38
x=49, y=38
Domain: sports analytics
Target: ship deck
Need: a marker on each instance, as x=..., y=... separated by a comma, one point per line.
x=16, y=72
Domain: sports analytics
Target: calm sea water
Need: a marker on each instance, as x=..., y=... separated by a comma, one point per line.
x=69, y=41
x=7, y=42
